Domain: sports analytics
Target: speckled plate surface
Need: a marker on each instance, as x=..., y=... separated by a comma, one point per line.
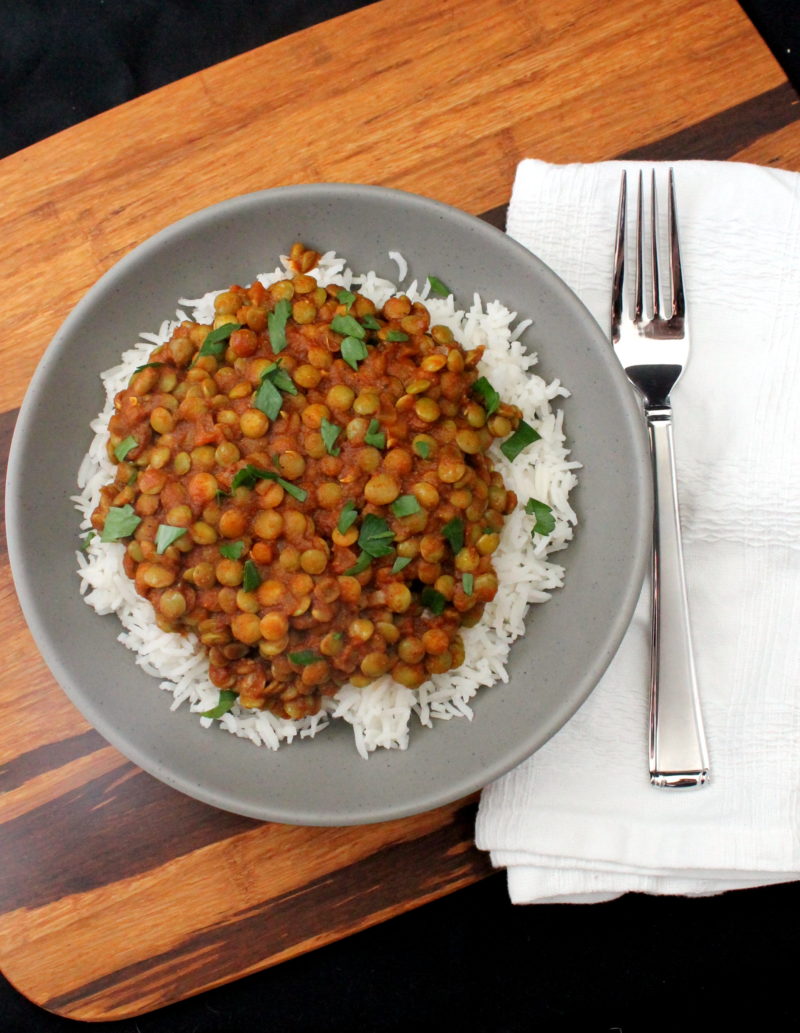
x=323, y=781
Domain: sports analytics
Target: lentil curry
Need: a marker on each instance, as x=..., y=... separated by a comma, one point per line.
x=305, y=486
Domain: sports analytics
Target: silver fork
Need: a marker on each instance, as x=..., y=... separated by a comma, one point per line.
x=652, y=343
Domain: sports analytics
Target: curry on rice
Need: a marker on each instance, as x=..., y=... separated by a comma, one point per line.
x=305, y=485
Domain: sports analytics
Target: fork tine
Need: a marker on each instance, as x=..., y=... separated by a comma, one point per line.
x=617, y=284
x=676, y=274
x=655, y=287
x=638, y=301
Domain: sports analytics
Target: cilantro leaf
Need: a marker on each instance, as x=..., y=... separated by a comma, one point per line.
x=251, y=578
x=438, y=288
x=166, y=535
x=353, y=351
x=345, y=298
x=523, y=436
x=248, y=475
x=330, y=432
x=422, y=448
x=349, y=326
x=370, y=322
x=489, y=397
x=453, y=531
x=226, y=701
x=232, y=550
x=361, y=563
x=400, y=564
x=375, y=536
x=433, y=600
x=214, y=343
x=121, y=522
x=405, y=505
x=124, y=447
x=375, y=436
x=347, y=517
x=396, y=335
x=276, y=325
x=468, y=582
x=545, y=521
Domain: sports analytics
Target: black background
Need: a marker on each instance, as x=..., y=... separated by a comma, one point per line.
x=471, y=961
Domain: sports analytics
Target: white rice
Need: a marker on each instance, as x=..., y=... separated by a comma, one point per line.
x=382, y=713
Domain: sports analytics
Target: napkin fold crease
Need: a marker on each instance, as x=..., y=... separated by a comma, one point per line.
x=579, y=820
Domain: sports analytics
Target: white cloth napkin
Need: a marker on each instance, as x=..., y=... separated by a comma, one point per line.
x=579, y=820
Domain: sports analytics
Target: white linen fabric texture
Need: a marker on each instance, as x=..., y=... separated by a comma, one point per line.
x=579, y=821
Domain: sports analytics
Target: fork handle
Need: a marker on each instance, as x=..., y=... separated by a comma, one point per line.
x=678, y=751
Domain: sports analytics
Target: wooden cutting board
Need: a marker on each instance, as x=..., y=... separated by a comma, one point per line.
x=111, y=900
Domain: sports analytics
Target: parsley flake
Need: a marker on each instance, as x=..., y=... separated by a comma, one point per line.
x=422, y=448
x=248, y=475
x=304, y=657
x=375, y=536
x=468, y=582
x=400, y=564
x=251, y=578
x=396, y=335
x=360, y=565
x=345, y=298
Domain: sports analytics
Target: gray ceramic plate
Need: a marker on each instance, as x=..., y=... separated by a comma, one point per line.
x=569, y=641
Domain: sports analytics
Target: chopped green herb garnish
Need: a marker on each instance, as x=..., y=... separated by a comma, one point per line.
x=353, y=351
x=433, y=600
x=124, y=447
x=349, y=326
x=405, y=505
x=545, y=521
x=345, y=298
x=523, y=436
x=121, y=522
x=453, y=531
x=370, y=322
x=400, y=564
x=330, y=432
x=347, y=517
x=438, y=288
x=226, y=701
x=375, y=536
x=214, y=344
x=490, y=398
x=304, y=657
x=232, y=550
x=166, y=535
x=396, y=335
x=268, y=398
x=375, y=436
x=468, y=582
x=248, y=475
x=251, y=578
x=148, y=365
x=422, y=448
x=361, y=563
x=89, y=537
x=276, y=325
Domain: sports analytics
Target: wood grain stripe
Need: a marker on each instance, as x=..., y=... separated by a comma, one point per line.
x=33, y=763
x=127, y=801
x=355, y=897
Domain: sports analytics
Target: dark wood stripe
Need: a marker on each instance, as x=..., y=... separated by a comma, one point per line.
x=111, y=828
x=33, y=763
x=726, y=134
x=347, y=899
x=7, y=423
